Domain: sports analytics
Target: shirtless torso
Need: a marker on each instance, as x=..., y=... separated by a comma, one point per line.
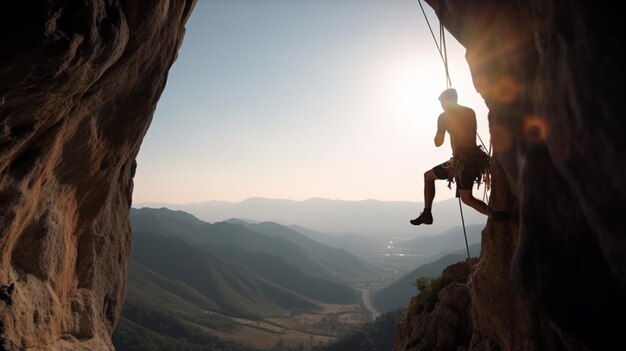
x=460, y=122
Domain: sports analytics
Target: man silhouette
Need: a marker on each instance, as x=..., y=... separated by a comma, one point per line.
x=468, y=162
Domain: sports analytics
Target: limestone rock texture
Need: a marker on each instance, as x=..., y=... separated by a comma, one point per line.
x=79, y=82
x=552, y=277
x=438, y=319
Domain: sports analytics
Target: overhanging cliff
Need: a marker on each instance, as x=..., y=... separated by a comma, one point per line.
x=551, y=73
x=79, y=82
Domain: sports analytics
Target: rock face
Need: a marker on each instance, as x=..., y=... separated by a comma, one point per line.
x=554, y=276
x=79, y=82
x=438, y=318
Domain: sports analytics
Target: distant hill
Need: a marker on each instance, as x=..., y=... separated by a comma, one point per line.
x=274, y=269
x=181, y=294
x=399, y=293
x=334, y=259
x=367, y=217
x=186, y=276
x=347, y=241
x=449, y=241
x=312, y=260
x=179, y=268
x=374, y=336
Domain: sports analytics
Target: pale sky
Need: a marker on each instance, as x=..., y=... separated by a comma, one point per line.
x=296, y=99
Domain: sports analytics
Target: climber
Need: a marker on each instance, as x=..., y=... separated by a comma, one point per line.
x=469, y=161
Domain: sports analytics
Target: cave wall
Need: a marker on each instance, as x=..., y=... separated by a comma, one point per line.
x=551, y=73
x=79, y=82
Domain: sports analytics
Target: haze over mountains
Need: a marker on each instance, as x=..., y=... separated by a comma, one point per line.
x=367, y=217
x=448, y=241
x=267, y=238
x=223, y=286
x=192, y=282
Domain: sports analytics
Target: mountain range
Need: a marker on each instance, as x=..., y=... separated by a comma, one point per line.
x=337, y=260
x=306, y=255
x=222, y=286
x=188, y=279
x=371, y=218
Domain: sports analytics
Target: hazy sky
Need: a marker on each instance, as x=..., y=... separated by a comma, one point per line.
x=297, y=99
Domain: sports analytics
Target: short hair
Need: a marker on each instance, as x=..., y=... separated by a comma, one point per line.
x=448, y=95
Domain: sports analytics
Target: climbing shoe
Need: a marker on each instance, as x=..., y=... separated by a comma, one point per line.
x=424, y=218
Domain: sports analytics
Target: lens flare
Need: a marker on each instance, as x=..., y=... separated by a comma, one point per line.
x=505, y=90
x=535, y=129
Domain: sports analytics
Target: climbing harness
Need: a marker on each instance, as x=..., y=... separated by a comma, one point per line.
x=487, y=178
x=486, y=175
x=477, y=159
x=458, y=164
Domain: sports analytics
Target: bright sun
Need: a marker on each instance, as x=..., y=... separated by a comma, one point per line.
x=409, y=90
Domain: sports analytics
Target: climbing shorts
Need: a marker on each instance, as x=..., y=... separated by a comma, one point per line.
x=466, y=167
x=464, y=182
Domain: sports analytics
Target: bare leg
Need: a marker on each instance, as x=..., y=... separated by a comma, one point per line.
x=429, y=188
x=471, y=201
x=429, y=195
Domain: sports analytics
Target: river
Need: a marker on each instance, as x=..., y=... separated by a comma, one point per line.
x=365, y=295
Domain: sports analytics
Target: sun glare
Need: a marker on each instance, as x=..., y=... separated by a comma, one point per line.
x=410, y=90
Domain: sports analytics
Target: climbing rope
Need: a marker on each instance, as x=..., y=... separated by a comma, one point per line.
x=441, y=48
x=485, y=194
x=464, y=233
x=443, y=53
x=487, y=181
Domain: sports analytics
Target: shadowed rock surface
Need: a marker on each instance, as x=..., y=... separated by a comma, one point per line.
x=79, y=82
x=438, y=318
x=554, y=276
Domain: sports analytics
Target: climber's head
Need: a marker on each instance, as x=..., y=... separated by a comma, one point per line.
x=448, y=98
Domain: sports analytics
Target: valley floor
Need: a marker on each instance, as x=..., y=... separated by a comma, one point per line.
x=301, y=329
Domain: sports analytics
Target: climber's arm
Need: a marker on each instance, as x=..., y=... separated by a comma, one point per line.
x=441, y=131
